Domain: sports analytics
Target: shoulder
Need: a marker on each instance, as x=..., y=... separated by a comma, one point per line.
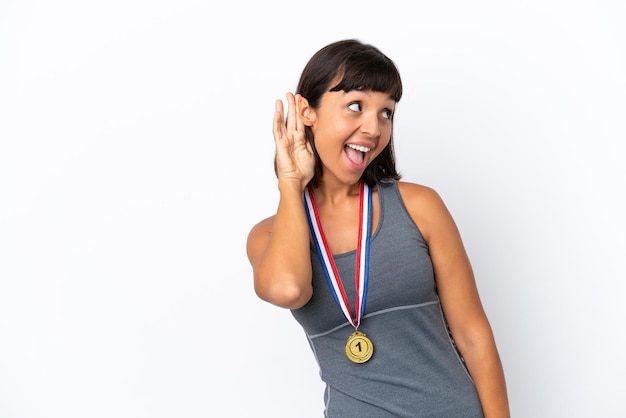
x=419, y=195
x=258, y=236
x=262, y=227
x=425, y=206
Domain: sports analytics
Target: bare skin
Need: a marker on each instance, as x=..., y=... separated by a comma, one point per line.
x=279, y=246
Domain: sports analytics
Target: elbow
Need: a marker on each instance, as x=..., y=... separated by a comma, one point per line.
x=284, y=293
x=477, y=343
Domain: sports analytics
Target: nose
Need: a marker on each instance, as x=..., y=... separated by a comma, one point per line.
x=370, y=125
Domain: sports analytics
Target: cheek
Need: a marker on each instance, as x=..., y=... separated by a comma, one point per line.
x=385, y=139
x=332, y=133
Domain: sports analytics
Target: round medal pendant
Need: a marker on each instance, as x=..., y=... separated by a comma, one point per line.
x=359, y=348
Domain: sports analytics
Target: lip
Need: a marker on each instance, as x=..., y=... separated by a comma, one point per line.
x=363, y=144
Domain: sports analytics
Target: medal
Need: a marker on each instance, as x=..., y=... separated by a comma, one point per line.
x=359, y=347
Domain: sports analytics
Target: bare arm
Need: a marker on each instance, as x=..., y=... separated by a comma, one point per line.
x=460, y=300
x=278, y=247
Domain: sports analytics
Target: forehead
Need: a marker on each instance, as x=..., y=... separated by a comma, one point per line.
x=361, y=76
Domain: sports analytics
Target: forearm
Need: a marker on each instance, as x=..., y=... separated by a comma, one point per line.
x=483, y=362
x=283, y=275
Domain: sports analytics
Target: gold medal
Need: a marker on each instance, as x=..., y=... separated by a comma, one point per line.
x=359, y=348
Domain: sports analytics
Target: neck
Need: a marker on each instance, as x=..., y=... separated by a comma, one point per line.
x=335, y=194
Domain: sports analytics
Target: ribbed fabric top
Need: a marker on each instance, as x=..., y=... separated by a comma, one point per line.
x=415, y=370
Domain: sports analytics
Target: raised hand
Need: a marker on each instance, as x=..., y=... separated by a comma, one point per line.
x=295, y=160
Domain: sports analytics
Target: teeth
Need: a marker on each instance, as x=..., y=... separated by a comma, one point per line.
x=359, y=147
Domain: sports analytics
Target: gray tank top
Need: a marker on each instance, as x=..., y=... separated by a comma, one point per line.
x=415, y=370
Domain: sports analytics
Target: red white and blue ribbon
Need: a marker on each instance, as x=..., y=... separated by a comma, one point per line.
x=362, y=254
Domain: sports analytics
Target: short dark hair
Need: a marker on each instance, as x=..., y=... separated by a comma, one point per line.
x=358, y=66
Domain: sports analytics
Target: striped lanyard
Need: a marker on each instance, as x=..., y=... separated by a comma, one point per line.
x=362, y=254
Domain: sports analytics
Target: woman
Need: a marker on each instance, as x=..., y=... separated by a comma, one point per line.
x=373, y=268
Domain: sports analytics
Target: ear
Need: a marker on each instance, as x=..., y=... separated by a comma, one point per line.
x=306, y=113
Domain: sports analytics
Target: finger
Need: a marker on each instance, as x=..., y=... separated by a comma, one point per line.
x=299, y=123
x=309, y=147
x=279, y=120
x=291, y=112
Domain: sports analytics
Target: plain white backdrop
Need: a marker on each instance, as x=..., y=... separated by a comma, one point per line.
x=136, y=153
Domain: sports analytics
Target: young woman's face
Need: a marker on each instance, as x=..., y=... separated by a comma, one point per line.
x=351, y=129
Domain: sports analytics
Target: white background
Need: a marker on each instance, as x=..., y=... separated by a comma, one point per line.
x=136, y=153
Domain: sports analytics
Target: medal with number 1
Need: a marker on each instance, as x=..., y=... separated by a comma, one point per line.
x=359, y=347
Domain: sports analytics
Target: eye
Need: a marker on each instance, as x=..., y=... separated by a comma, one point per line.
x=387, y=113
x=355, y=107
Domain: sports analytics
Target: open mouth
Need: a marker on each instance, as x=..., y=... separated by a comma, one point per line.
x=356, y=153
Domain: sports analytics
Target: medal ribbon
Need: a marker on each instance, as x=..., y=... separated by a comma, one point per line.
x=362, y=254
